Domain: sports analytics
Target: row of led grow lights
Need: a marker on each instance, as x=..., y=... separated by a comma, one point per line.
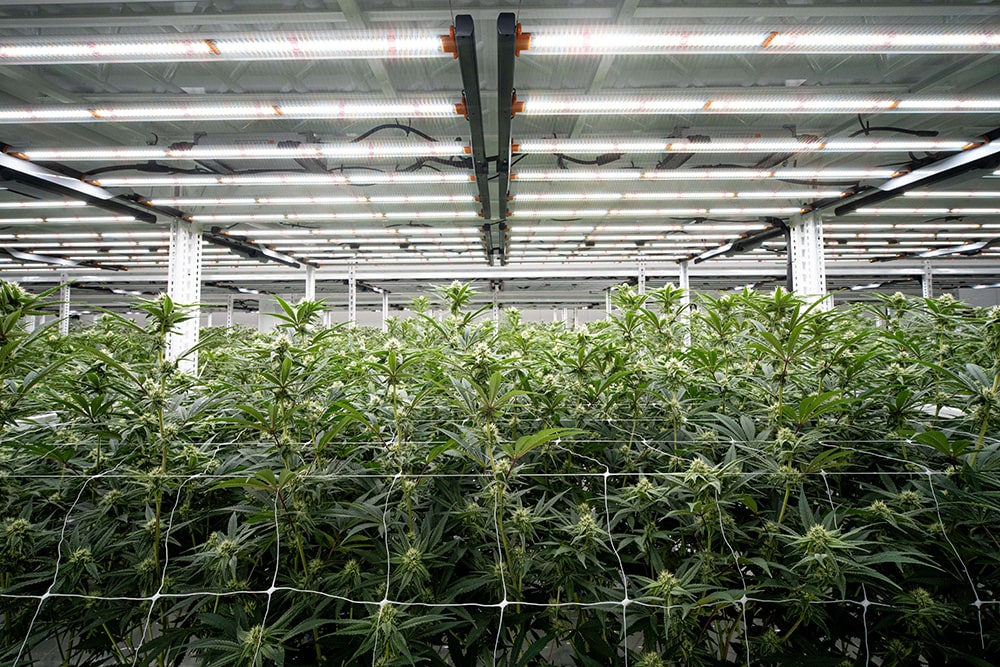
x=402, y=44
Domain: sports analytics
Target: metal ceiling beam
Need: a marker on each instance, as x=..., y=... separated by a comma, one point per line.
x=959, y=266
x=465, y=46
x=356, y=19
x=625, y=15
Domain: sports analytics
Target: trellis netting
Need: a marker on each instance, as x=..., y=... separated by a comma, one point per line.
x=795, y=486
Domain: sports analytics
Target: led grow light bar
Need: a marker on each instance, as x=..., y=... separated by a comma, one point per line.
x=557, y=175
x=321, y=216
x=323, y=109
x=42, y=204
x=362, y=150
x=95, y=220
x=653, y=212
x=850, y=145
x=561, y=105
x=957, y=194
x=669, y=196
x=926, y=211
x=224, y=47
x=282, y=179
x=663, y=40
x=313, y=201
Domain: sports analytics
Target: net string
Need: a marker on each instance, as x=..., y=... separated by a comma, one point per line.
x=113, y=473
x=55, y=575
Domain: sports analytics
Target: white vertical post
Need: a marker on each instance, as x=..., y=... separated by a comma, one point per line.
x=684, y=282
x=310, y=283
x=808, y=267
x=494, y=293
x=927, y=281
x=230, y=303
x=607, y=303
x=565, y=316
x=352, y=295
x=385, y=311
x=64, y=294
x=641, y=270
x=184, y=288
x=576, y=318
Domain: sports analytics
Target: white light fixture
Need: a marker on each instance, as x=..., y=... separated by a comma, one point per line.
x=557, y=175
x=313, y=201
x=329, y=216
x=927, y=211
x=361, y=150
x=191, y=180
x=609, y=40
x=42, y=204
x=669, y=196
x=96, y=220
x=565, y=105
x=330, y=109
x=957, y=194
x=651, y=212
x=223, y=47
x=754, y=145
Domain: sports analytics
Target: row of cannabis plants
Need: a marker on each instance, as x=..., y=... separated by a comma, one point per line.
x=755, y=480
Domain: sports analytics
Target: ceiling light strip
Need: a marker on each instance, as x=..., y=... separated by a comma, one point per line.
x=313, y=201
x=850, y=145
x=316, y=109
x=563, y=175
x=670, y=196
x=189, y=180
x=250, y=151
x=330, y=216
x=224, y=47
x=664, y=40
x=578, y=105
x=927, y=211
x=653, y=212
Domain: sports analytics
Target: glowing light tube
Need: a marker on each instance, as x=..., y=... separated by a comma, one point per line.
x=685, y=103
x=242, y=109
x=281, y=179
x=661, y=40
x=791, y=145
x=251, y=46
x=361, y=150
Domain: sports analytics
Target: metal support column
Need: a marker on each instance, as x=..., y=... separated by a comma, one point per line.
x=808, y=267
x=607, y=303
x=927, y=281
x=494, y=292
x=684, y=282
x=230, y=303
x=64, y=305
x=641, y=285
x=352, y=295
x=184, y=288
x=310, y=283
x=385, y=311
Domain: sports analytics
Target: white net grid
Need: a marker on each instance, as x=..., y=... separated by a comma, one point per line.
x=627, y=600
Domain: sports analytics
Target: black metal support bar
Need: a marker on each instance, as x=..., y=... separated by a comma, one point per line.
x=506, y=52
x=250, y=250
x=465, y=41
x=40, y=178
x=965, y=164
